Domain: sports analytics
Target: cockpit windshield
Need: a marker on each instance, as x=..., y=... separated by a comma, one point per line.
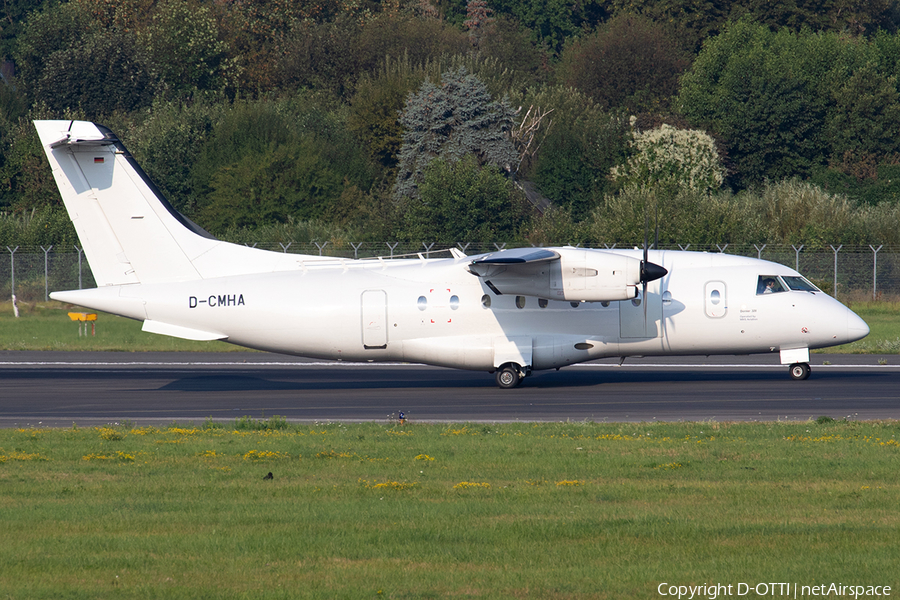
x=773, y=284
x=769, y=284
x=800, y=284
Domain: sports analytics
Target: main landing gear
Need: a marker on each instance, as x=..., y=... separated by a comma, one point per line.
x=510, y=375
x=799, y=371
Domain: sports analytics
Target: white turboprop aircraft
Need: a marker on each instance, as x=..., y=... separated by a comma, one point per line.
x=508, y=312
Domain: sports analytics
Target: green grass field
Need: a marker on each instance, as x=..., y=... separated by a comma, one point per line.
x=46, y=326
x=384, y=510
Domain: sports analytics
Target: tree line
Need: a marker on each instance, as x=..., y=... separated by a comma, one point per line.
x=471, y=121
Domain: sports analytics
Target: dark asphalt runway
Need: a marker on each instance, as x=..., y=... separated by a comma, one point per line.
x=61, y=388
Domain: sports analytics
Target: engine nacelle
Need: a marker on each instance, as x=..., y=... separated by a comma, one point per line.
x=571, y=274
x=594, y=276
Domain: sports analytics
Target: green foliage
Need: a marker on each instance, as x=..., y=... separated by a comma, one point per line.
x=90, y=76
x=698, y=20
x=793, y=212
x=247, y=423
x=297, y=232
x=266, y=161
x=511, y=45
x=556, y=226
x=45, y=227
x=461, y=201
x=319, y=56
x=864, y=121
x=46, y=32
x=376, y=105
x=70, y=59
x=451, y=121
x=683, y=216
x=787, y=104
x=667, y=157
x=270, y=185
x=551, y=22
x=868, y=184
x=628, y=62
x=26, y=181
x=761, y=91
x=12, y=18
x=420, y=41
x=183, y=41
x=582, y=144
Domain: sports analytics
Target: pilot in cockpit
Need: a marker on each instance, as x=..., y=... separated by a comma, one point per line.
x=768, y=285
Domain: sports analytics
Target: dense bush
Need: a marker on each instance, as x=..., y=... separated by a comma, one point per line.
x=667, y=157
x=629, y=62
x=462, y=201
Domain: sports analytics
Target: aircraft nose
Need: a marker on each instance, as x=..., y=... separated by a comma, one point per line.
x=857, y=329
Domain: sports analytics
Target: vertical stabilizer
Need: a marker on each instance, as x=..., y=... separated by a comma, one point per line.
x=129, y=232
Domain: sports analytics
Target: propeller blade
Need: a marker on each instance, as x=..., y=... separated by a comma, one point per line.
x=649, y=272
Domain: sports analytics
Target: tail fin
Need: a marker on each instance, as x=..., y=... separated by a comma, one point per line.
x=129, y=232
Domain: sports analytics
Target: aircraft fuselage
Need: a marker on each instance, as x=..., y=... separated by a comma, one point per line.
x=435, y=311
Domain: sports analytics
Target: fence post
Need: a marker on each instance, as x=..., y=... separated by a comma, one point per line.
x=428, y=248
x=500, y=247
x=12, y=278
x=797, y=256
x=608, y=247
x=46, y=273
x=392, y=247
x=722, y=248
x=683, y=248
x=836, y=250
x=356, y=248
x=875, y=270
x=320, y=246
x=759, y=250
x=284, y=248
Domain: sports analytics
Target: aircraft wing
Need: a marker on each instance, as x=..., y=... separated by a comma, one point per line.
x=516, y=256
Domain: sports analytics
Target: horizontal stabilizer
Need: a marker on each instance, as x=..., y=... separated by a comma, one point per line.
x=185, y=333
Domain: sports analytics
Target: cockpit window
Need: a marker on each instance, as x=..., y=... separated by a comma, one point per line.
x=769, y=284
x=800, y=284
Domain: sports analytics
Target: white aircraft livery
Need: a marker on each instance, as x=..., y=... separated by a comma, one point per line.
x=508, y=312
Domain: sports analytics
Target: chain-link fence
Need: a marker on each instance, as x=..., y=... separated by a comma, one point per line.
x=867, y=271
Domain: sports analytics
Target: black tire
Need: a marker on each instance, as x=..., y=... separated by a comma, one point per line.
x=508, y=377
x=799, y=371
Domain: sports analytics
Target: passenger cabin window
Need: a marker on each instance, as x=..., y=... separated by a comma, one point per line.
x=800, y=284
x=769, y=284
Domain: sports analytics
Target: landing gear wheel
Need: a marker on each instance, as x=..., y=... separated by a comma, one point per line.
x=508, y=377
x=800, y=371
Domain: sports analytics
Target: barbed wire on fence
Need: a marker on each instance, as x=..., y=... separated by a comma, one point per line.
x=32, y=273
